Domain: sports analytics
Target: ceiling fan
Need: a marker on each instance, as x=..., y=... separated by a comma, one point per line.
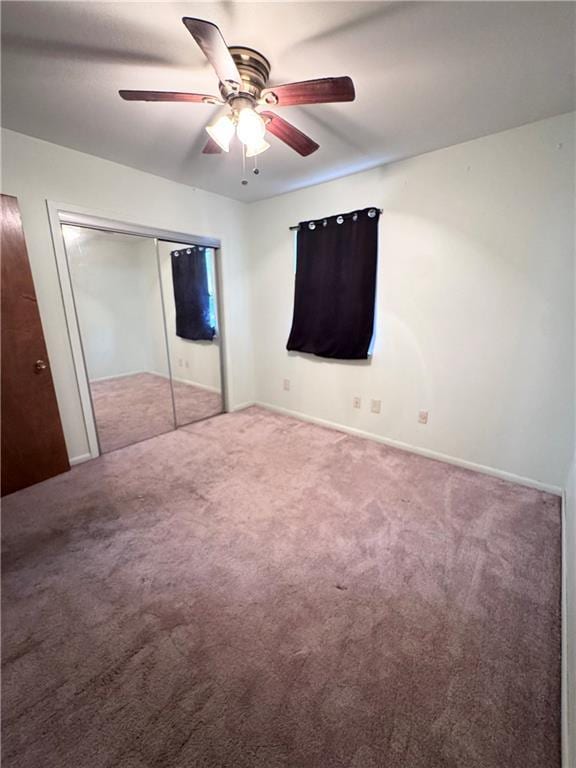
x=243, y=74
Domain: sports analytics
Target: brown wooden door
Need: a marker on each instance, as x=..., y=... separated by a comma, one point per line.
x=33, y=447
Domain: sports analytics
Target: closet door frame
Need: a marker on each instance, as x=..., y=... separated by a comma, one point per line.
x=63, y=213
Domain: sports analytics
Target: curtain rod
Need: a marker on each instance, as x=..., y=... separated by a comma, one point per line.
x=297, y=226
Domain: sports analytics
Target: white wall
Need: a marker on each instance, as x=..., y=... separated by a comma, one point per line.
x=473, y=310
x=35, y=171
x=117, y=299
x=474, y=293
x=197, y=362
x=153, y=319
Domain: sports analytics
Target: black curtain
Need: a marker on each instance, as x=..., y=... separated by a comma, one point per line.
x=336, y=285
x=191, y=294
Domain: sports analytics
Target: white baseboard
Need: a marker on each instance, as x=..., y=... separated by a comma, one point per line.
x=156, y=373
x=242, y=406
x=527, y=481
x=117, y=376
x=191, y=383
x=196, y=384
x=79, y=459
x=567, y=761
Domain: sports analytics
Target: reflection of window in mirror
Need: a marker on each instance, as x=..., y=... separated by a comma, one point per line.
x=209, y=256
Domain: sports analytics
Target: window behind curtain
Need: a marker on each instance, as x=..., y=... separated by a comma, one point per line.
x=209, y=256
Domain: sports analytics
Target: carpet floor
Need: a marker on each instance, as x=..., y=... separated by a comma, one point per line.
x=258, y=592
x=136, y=407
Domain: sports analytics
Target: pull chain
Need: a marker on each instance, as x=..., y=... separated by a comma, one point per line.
x=244, y=179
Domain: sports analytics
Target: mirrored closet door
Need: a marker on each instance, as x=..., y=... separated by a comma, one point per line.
x=147, y=316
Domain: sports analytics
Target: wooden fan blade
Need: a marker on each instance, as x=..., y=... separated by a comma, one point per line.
x=210, y=40
x=211, y=148
x=194, y=98
x=323, y=91
x=289, y=134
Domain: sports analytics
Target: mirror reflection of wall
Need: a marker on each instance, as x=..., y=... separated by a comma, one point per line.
x=190, y=302
x=119, y=309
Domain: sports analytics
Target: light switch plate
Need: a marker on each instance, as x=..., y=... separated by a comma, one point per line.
x=423, y=417
x=375, y=406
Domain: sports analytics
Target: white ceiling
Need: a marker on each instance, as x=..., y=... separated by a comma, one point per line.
x=427, y=75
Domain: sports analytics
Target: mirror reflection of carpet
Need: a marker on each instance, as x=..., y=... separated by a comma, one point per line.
x=133, y=408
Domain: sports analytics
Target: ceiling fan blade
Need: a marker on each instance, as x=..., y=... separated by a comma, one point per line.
x=289, y=134
x=211, y=148
x=210, y=40
x=194, y=98
x=323, y=91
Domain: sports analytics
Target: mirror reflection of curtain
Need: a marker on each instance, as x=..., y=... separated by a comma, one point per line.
x=192, y=299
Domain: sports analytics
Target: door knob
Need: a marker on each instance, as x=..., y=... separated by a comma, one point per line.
x=40, y=366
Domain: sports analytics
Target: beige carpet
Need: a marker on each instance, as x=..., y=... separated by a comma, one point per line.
x=258, y=592
x=137, y=407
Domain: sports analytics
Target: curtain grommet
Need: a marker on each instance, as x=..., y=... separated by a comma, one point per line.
x=189, y=251
x=325, y=223
x=340, y=220
x=354, y=217
x=371, y=213
x=176, y=254
x=311, y=225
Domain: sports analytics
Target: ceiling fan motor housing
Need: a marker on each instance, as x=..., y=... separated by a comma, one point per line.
x=254, y=69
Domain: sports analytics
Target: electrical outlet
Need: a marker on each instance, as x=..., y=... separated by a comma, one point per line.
x=375, y=406
x=286, y=385
x=356, y=402
x=423, y=417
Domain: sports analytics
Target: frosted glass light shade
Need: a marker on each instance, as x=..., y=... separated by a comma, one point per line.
x=251, y=127
x=257, y=148
x=222, y=132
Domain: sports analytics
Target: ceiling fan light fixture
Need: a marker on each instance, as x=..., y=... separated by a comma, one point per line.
x=257, y=148
x=222, y=132
x=251, y=127
x=243, y=74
